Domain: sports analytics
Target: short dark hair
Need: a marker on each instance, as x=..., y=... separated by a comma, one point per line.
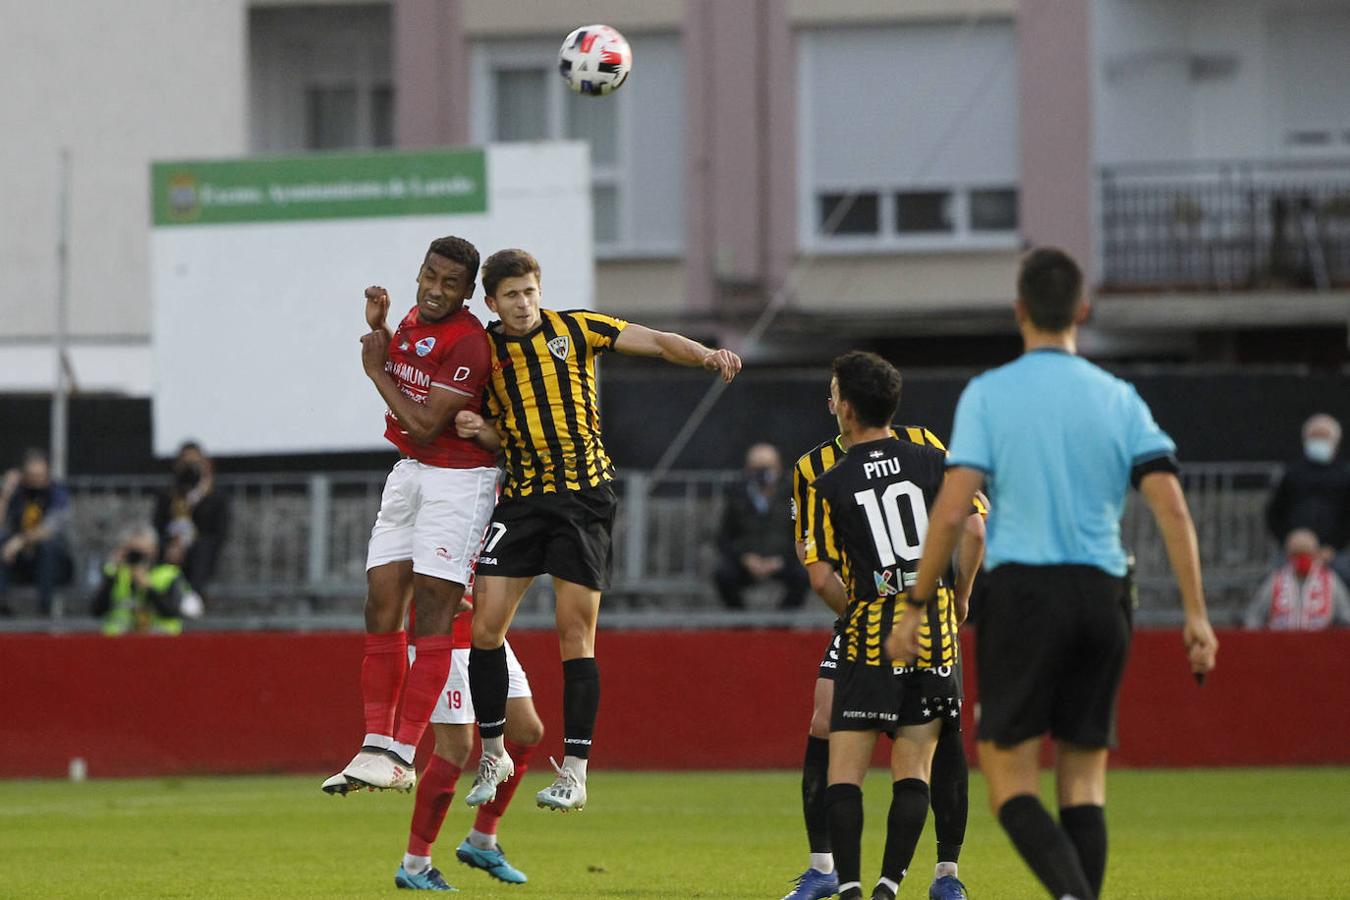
x=456, y=249
x=870, y=384
x=1050, y=285
x=510, y=263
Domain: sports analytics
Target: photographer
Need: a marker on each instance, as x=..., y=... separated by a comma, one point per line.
x=140, y=595
x=191, y=518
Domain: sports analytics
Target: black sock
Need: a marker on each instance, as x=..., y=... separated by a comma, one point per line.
x=1045, y=847
x=581, y=703
x=904, y=824
x=844, y=811
x=1086, y=827
x=815, y=778
x=488, y=683
x=951, y=795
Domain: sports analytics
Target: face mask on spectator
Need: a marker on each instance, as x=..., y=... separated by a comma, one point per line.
x=1302, y=563
x=1319, y=450
x=762, y=477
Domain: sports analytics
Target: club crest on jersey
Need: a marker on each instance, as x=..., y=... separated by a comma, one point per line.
x=883, y=582
x=560, y=346
x=425, y=346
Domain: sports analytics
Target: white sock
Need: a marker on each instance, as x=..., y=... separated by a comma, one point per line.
x=844, y=888
x=378, y=741
x=416, y=865
x=822, y=862
x=495, y=746
x=405, y=752
x=482, y=841
x=893, y=886
x=944, y=869
x=576, y=764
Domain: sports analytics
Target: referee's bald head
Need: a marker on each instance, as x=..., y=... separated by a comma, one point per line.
x=1050, y=287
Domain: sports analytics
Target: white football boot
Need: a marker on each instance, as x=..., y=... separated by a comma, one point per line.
x=492, y=771
x=568, y=790
x=374, y=769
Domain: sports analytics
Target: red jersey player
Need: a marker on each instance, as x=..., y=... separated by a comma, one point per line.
x=433, y=511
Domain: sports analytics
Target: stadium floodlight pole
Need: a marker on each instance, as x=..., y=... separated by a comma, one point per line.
x=61, y=376
x=827, y=228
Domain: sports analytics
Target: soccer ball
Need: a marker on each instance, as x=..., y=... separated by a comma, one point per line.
x=595, y=60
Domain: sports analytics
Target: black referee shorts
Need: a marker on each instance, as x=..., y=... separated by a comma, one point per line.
x=1051, y=645
x=566, y=534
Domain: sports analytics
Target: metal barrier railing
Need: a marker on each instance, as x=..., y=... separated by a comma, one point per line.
x=297, y=543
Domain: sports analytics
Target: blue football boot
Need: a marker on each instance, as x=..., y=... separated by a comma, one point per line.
x=814, y=884
x=948, y=887
x=430, y=880
x=492, y=862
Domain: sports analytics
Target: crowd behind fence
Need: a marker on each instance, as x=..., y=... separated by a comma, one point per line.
x=295, y=555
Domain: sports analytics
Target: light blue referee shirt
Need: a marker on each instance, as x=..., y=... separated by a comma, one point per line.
x=1057, y=439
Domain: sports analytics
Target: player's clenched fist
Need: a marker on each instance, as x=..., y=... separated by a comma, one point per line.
x=724, y=363
x=468, y=424
x=374, y=352
x=377, y=307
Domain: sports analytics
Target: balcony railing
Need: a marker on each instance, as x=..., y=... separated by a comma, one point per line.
x=1226, y=226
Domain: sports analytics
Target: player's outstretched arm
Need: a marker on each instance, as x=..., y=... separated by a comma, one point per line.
x=639, y=340
x=424, y=422
x=1162, y=491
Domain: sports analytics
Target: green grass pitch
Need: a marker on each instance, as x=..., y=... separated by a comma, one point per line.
x=1223, y=834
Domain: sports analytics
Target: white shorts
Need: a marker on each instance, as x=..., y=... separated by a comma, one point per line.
x=434, y=517
x=455, y=705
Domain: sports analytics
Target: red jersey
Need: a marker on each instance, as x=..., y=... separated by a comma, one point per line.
x=452, y=355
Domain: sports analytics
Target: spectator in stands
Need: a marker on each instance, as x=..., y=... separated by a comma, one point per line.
x=1315, y=493
x=1303, y=594
x=755, y=540
x=192, y=518
x=139, y=594
x=33, y=534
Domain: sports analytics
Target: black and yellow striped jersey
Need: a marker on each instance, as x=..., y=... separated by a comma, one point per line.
x=820, y=458
x=544, y=398
x=868, y=517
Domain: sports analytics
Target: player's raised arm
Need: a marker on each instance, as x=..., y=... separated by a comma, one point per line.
x=377, y=310
x=638, y=340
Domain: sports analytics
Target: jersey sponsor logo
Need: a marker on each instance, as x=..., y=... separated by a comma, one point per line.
x=560, y=347
x=885, y=586
x=461, y=374
x=425, y=346
x=487, y=560
x=408, y=374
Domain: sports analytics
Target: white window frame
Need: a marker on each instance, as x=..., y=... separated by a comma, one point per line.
x=486, y=61
x=886, y=240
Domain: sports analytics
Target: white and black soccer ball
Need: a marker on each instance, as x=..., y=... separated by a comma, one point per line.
x=595, y=60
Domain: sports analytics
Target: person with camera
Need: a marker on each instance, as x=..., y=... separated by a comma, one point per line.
x=139, y=594
x=191, y=518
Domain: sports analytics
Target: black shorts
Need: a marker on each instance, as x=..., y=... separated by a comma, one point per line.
x=881, y=698
x=1051, y=644
x=829, y=663
x=564, y=534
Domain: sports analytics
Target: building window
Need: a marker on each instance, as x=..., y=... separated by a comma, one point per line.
x=635, y=135
x=321, y=78
x=937, y=164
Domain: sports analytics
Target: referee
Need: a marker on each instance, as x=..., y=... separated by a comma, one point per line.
x=1058, y=441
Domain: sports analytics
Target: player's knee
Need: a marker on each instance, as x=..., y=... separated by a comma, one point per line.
x=820, y=723
x=454, y=743
x=486, y=636
x=526, y=732
x=576, y=637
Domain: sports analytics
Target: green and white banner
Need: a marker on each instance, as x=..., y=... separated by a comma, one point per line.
x=258, y=268
x=328, y=186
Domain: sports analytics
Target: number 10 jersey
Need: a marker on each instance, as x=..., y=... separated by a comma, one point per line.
x=868, y=517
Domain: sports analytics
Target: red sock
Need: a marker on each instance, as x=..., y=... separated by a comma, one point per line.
x=426, y=680
x=435, y=790
x=382, y=671
x=490, y=813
